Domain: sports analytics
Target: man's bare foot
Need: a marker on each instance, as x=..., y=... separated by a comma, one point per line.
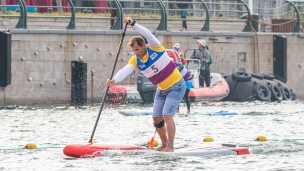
x=161, y=148
x=169, y=149
x=188, y=112
x=177, y=111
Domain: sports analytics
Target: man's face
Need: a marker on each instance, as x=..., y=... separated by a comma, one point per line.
x=200, y=46
x=139, y=51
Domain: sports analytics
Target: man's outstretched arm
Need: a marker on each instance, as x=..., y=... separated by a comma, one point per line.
x=152, y=40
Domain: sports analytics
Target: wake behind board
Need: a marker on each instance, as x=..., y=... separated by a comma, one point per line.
x=147, y=112
x=95, y=150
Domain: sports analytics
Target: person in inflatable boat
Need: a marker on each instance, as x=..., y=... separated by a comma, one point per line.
x=153, y=61
x=176, y=55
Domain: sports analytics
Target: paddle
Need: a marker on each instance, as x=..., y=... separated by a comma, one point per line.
x=104, y=96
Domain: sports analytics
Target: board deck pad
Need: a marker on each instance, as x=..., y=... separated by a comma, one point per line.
x=95, y=150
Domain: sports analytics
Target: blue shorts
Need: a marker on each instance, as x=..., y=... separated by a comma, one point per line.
x=167, y=101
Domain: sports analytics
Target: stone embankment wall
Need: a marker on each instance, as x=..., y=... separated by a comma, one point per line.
x=41, y=59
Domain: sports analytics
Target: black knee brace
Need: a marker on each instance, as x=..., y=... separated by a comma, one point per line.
x=159, y=125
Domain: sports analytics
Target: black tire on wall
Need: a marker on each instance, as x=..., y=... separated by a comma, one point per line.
x=293, y=94
x=241, y=76
x=276, y=93
x=262, y=92
x=268, y=76
x=257, y=76
x=286, y=93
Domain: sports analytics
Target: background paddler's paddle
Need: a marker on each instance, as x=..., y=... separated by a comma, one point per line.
x=104, y=96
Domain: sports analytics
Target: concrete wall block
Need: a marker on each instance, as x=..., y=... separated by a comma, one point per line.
x=52, y=37
x=27, y=46
x=294, y=79
x=232, y=57
x=19, y=76
x=32, y=38
x=53, y=95
x=96, y=66
x=43, y=95
x=101, y=56
x=293, y=56
x=115, y=38
x=60, y=56
x=49, y=56
x=58, y=66
x=59, y=46
x=24, y=95
x=39, y=66
x=16, y=55
x=41, y=46
x=71, y=38
x=49, y=46
x=57, y=76
x=95, y=46
x=25, y=75
x=264, y=47
x=81, y=38
x=79, y=46
x=64, y=95
x=64, y=37
x=89, y=56
x=41, y=76
x=16, y=45
x=294, y=66
x=250, y=56
x=48, y=66
x=301, y=56
x=293, y=48
x=227, y=68
x=13, y=94
x=29, y=66
x=17, y=66
x=31, y=46
x=16, y=37
x=264, y=57
x=96, y=38
x=266, y=67
x=10, y=101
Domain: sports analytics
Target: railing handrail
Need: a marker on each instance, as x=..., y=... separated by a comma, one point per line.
x=22, y=23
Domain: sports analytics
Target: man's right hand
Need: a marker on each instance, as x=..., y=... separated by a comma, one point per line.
x=110, y=82
x=128, y=20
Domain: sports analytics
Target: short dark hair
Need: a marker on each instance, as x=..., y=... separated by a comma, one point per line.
x=136, y=39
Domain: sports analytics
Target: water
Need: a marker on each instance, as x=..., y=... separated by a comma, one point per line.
x=51, y=128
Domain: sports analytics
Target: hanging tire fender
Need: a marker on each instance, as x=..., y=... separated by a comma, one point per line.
x=276, y=93
x=241, y=76
x=257, y=76
x=286, y=93
x=262, y=92
x=268, y=76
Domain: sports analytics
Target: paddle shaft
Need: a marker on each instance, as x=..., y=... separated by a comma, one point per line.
x=104, y=96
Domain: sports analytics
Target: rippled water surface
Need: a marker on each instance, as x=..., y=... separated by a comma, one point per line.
x=51, y=128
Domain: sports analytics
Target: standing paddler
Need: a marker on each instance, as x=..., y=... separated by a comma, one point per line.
x=153, y=61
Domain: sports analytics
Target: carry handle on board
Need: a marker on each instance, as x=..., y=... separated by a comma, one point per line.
x=104, y=96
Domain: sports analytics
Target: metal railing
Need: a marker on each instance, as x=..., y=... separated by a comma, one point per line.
x=199, y=9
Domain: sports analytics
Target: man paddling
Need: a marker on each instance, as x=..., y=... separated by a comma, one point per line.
x=153, y=61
